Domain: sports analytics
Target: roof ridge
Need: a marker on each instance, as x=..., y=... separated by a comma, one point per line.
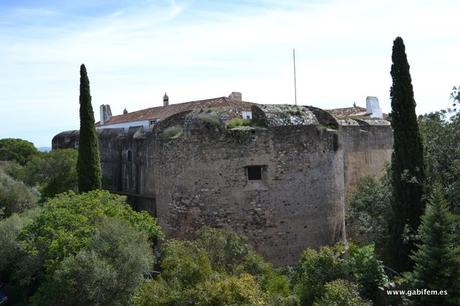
x=161, y=112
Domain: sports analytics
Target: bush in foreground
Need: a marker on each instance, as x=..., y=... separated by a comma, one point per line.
x=90, y=244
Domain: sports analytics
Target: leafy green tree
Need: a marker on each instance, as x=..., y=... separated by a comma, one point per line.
x=158, y=292
x=368, y=211
x=70, y=224
x=184, y=264
x=88, y=164
x=193, y=271
x=17, y=149
x=230, y=290
x=407, y=162
x=341, y=293
x=364, y=269
x=54, y=172
x=441, y=136
x=225, y=248
x=316, y=268
x=15, y=196
x=231, y=254
x=437, y=259
x=353, y=263
x=107, y=273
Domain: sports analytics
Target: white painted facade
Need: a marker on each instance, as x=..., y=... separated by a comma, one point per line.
x=126, y=125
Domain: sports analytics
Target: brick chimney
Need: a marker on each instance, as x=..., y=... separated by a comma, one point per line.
x=165, y=100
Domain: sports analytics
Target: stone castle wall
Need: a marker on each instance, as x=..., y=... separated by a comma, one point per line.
x=197, y=175
x=298, y=202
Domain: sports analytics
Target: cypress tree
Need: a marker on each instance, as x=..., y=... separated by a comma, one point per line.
x=407, y=163
x=88, y=165
x=437, y=260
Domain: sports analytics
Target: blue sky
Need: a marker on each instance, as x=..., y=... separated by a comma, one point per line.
x=137, y=50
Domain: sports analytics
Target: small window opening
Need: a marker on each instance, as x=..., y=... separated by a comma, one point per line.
x=129, y=156
x=254, y=173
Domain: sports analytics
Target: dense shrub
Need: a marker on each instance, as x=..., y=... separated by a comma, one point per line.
x=230, y=290
x=352, y=263
x=12, y=254
x=368, y=211
x=95, y=237
x=217, y=268
x=106, y=273
x=341, y=293
x=53, y=173
x=15, y=196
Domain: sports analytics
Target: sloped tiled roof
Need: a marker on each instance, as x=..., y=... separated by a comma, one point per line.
x=162, y=112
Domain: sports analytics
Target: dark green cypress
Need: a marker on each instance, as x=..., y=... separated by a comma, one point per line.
x=88, y=165
x=407, y=163
x=437, y=260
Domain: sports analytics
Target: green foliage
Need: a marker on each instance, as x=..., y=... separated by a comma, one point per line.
x=226, y=249
x=10, y=228
x=316, y=268
x=368, y=211
x=90, y=247
x=437, y=259
x=54, y=172
x=210, y=118
x=17, y=149
x=173, y=132
x=12, y=254
x=407, y=162
x=88, y=164
x=217, y=268
x=15, y=196
x=158, y=292
x=230, y=290
x=184, y=264
x=68, y=222
x=441, y=135
x=366, y=270
x=107, y=273
x=353, y=263
x=340, y=293
x=238, y=122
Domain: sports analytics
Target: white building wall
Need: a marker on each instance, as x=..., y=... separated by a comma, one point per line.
x=126, y=125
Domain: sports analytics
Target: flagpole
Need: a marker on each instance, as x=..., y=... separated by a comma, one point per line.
x=295, y=81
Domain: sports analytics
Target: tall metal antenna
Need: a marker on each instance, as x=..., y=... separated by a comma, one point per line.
x=295, y=81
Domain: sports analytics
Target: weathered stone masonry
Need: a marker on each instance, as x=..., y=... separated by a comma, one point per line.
x=190, y=170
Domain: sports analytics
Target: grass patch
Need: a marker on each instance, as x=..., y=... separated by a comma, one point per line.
x=173, y=132
x=238, y=122
x=209, y=117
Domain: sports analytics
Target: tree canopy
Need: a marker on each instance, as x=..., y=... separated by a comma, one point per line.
x=18, y=150
x=94, y=236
